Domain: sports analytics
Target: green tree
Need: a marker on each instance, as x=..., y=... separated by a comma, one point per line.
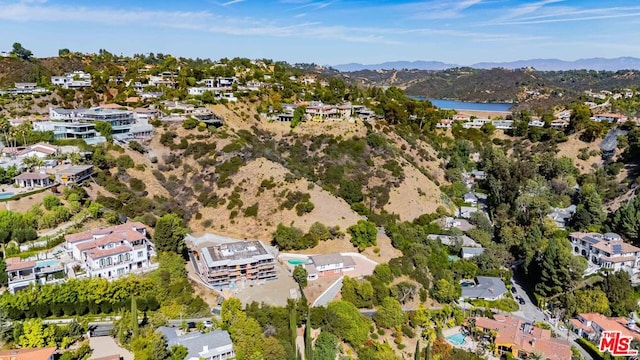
x=298, y=116
x=557, y=270
x=319, y=231
x=445, y=292
x=50, y=201
x=300, y=276
x=178, y=352
x=389, y=314
x=619, y=291
x=345, y=321
x=19, y=51
x=288, y=238
x=383, y=273
x=363, y=234
x=308, y=342
x=580, y=117
x=134, y=316
x=589, y=211
x=169, y=234
x=105, y=129
x=326, y=347
x=36, y=334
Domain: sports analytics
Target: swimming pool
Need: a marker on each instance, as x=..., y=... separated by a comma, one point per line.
x=6, y=195
x=46, y=263
x=297, y=261
x=456, y=339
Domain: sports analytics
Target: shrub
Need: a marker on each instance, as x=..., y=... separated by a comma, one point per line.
x=50, y=201
x=251, y=210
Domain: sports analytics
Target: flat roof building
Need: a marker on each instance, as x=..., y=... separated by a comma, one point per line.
x=225, y=264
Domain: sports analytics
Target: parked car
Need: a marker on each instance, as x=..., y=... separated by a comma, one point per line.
x=521, y=301
x=208, y=324
x=514, y=290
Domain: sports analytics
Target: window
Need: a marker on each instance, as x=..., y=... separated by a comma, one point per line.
x=101, y=262
x=140, y=253
x=121, y=271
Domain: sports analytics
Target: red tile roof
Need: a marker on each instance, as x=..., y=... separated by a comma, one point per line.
x=608, y=324
x=88, y=235
x=27, y=354
x=510, y=332
x=15, y=264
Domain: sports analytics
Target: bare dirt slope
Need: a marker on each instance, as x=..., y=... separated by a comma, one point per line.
x=415, y=196
x=328, y=210
x=571, y=149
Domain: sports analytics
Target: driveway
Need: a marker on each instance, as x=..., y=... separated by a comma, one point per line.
x=106, y=346
x=329, y=294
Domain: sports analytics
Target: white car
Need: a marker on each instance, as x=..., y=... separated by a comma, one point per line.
x=208, y=324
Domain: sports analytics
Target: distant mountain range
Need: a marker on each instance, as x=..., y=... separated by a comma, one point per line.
x=615, y=64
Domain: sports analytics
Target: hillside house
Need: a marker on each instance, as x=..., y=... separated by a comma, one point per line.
x=31, y=180
x=592, y=325
x=231, y=262
x=111, y=252
x=607, y=251
x=23, y=273
x=521, y=339
x=214, y=345
x=74, y=174
x=329, y=265
x=561, y=216
x=72, y=80
x=484, y=287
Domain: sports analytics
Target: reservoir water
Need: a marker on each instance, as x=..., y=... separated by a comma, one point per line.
x=466, y=105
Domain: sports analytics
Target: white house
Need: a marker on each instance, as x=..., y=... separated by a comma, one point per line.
x=111, y=252
x=607, y=251
x=214, y=345
x=72, y=80
x=328, y=265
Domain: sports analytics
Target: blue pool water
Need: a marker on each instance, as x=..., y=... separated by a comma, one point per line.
x=456, y=339
x=297, y=261
x=45, y=263
x=5, y=195
x=467, y=105
x=453, y=258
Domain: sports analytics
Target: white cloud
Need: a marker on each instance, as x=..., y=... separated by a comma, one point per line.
x=231, y=2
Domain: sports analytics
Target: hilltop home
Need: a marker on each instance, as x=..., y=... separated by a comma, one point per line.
x=72, y=80
x=111, y=252
x=74, y=174
x=231, y=262
x=71, y=130
x=22, y=273
x=592, y=325
x=607, y=251
x=610, y=117
x=214, y=345
x=521, y=339
x=328, y=265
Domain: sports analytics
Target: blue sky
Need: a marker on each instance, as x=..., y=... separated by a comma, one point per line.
x=329, y=31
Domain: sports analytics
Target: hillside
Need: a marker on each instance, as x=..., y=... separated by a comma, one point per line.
x=246, y=177
x=14, y=70
x=497, y=84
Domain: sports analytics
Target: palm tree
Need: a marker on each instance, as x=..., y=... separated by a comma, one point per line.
x=4, y=127
x=536, y=356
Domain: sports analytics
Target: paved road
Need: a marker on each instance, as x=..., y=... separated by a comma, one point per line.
x=530, y=312
x=329, y=294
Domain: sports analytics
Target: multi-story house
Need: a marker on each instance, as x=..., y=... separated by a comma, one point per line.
x=606, y=251
x=72, y=80
x=74, y=174
x=592, y=325
x=111, y=252
x=71, y=130
x=521, y=339
x=232, y=262
x=21, y=273
x=121, y=121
